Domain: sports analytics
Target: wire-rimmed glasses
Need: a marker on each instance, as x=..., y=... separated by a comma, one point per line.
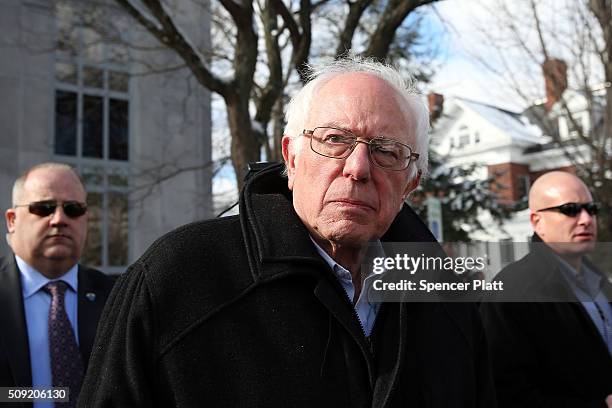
x=338, y=143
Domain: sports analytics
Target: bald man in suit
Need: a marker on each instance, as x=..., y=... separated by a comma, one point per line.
x=42, y=286
x=555, y=348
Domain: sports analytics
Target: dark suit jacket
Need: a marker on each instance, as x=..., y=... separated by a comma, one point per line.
x=545, y=354
x=15, y=368
x=243, y=312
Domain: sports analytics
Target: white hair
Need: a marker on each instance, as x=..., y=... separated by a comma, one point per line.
x=410, y=100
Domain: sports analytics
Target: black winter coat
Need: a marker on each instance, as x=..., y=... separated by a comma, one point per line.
x=545, y=354
x=243, y=312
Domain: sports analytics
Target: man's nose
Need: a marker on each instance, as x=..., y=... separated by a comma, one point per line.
x=357, y=166
x=584, y=218
x=59, y=217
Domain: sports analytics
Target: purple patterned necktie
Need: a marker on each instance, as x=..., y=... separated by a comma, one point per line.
x=66, y=365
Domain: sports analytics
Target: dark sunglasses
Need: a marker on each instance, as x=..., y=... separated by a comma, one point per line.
x=72, y=209
x=573, y=209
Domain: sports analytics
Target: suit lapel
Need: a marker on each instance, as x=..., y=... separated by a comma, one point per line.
x=90, y=305
x=13, y=329
x=554, y=283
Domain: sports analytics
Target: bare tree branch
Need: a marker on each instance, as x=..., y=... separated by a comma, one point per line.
x=171, y=37
x=538, y=26
x=585, y=110
x=394, y=14
x=356, y=10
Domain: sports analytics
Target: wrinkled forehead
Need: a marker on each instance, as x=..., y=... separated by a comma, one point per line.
x=362, y=102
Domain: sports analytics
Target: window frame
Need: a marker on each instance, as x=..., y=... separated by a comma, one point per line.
x=109, y=167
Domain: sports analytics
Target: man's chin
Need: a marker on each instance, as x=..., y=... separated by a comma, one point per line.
x=574, y=248
x=59, y=253
x=351, y=234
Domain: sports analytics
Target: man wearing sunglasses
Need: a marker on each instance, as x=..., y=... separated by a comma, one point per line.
x=49, y=304
x=268, y=308
x=551, y=345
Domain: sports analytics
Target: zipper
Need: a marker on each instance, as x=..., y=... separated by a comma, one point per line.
x=356, y=316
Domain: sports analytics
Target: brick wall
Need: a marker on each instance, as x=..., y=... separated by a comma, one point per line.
x=508, y=185
x=534, y=175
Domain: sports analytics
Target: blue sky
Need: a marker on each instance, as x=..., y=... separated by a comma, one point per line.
x=454, y=22
x=450, y=23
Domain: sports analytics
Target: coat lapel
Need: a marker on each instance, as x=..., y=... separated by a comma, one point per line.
x=263, y=205
x=266, y=202
x=391, y=328
x=340, y=308
x=13, y=329
x=390, y=340
x=90, y=304
x=553, y=284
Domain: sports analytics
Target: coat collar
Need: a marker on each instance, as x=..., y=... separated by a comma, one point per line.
x=268, y=218
x=554, y=283
x=278, y=235
x=552, y=276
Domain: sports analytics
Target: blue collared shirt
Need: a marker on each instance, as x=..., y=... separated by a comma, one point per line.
x=36, y=304
x=366, y=310
x=588, y=291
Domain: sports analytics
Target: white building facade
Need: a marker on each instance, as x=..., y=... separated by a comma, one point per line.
x=514, y=148
x=109, y=109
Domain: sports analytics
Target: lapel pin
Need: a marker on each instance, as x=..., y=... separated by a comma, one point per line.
x=90, y=296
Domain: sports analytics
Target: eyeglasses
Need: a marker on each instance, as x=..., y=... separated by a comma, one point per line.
x=339, y=144
x=72, y=209
x=573, y=209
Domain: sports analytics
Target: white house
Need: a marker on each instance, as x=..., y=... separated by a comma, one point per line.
x=514, y=147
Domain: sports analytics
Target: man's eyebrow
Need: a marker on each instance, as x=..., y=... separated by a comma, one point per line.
x=343, y=126
x=335, y=124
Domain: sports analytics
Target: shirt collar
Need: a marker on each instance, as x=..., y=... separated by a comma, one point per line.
x=32, y=280
x=585, y=279
x=341, y=272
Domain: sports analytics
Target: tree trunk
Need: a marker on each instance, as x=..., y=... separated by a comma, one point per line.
x=277, y=130
x=244, y=146
x=602, y=10
x=394, y=15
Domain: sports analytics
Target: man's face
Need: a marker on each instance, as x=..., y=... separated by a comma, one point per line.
x=566, y=235
x=51, y=244
x=350, y=201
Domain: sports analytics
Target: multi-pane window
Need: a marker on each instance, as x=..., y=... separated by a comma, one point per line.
x=523, y=186
x=108, y=231
x=464, y=137
x=91, y=113
x=91, y=132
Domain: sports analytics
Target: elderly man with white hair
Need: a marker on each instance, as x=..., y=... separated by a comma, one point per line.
x=266, y=308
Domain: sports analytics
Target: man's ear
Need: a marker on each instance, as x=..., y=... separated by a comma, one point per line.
x=412, y=184
x=535, y=219
x=289, y=157
x=9, y=216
